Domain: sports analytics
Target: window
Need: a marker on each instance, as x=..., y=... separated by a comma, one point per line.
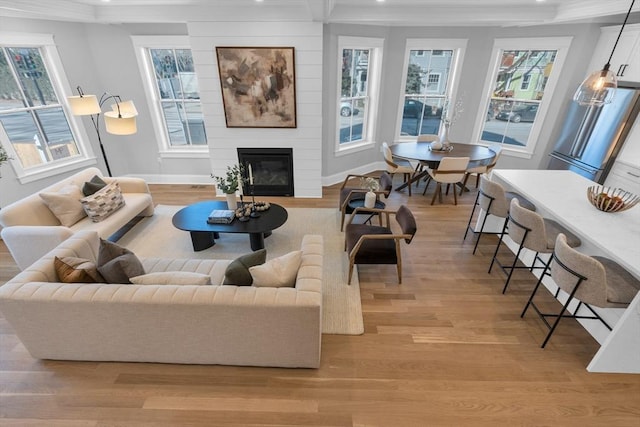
x=359, y=79
x=172, y=90
x=34, y=128
x=524, y=74
x=433, y=82
x=428, y=84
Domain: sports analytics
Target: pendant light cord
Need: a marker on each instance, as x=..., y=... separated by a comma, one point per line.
x=620, y=33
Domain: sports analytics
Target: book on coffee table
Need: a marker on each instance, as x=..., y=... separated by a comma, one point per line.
x=221, y=216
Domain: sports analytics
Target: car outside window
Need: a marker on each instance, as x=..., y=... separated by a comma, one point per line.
x=524, y=74
x=358, y=87
x=431, y=69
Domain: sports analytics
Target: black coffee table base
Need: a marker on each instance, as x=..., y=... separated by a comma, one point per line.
x=202, y=240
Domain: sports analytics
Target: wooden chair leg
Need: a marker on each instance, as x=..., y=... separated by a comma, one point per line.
x=407, y=178
x=464, y=182
x=435, y=194
x=455, y=197
x=477, y=180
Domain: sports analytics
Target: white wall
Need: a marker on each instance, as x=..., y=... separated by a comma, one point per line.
x=305, y=140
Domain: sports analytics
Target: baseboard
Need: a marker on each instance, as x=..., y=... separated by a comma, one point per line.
x=360, y=170
x=175, y=179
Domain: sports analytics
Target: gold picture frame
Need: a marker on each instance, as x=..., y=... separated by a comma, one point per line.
x=258, y=86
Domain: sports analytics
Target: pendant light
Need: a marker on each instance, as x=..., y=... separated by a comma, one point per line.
x=599, y=88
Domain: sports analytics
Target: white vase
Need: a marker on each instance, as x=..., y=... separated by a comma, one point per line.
x=369, y=199
x=444, y=138
x=232, y=201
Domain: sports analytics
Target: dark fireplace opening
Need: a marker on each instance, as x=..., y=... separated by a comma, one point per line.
x=272, y=170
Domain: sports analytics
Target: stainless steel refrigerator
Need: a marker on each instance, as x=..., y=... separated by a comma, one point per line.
x=592, y=136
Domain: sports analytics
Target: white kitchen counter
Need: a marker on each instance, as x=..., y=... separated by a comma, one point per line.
x=562, y=195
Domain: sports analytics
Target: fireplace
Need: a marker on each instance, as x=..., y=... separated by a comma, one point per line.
x=272, y=170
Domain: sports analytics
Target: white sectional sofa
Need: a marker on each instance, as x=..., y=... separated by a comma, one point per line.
x=211, y=324
x=30, y=229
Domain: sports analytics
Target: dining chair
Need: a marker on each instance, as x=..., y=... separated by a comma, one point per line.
x=451, y=170
x=591, y=280
x=480, y=170
x=493, y=200
x=351, y=189
x=529, y=230
x=425, y=138
x=372, y=244
x=396, y=165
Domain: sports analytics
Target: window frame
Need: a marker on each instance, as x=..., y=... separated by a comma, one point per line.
x=561, y=46
x=458, y=46
x=374, y=73
x=60, y=84
x=141, y=45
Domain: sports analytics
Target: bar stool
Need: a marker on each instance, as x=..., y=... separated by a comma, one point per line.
x=495, y=201
x=531, y=231
x=592, y=280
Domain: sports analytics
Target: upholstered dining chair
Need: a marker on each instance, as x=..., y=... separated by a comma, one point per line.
x=592, y=280
x=529, y=230
x=480, y=170
x=493, y=200
x=351, y=189
x=451, y=170
x=373, y=244
x=396, y=165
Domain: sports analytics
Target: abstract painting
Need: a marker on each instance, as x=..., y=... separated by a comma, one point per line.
x=258, y=86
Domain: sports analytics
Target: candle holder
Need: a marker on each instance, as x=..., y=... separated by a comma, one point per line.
x=241, y=212
x=254, y=214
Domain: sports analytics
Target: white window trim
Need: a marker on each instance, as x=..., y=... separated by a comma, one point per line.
x=375, y=45
x=559, y=44
x=458, y=46
x=62, y=89
x=140, y=45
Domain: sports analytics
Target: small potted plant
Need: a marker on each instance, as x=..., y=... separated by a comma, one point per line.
x=231, y=182
x=372, y=185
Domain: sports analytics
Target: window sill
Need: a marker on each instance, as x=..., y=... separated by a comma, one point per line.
x=355, y=147
x=185, y=154
x=50, y=171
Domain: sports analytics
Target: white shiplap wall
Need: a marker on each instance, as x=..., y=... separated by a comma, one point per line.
x=306, y=139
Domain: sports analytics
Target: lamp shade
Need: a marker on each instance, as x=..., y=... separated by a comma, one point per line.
x=84, y=105
x=125, y=107
x=123, y=124
x=597, y=89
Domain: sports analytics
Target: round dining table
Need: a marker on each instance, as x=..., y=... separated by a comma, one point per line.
x=479, y=155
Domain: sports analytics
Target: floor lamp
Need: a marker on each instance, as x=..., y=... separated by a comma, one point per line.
x=121, y=120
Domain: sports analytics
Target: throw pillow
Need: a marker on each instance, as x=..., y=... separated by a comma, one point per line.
x=117, y=264
x=279, y=272
x=95, y=184
x=65, y=204
x=237, y=272
x=103, y=203
x=76, y=270
x=172, y=278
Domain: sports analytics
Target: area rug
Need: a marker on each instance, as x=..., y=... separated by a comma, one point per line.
x=341, y=308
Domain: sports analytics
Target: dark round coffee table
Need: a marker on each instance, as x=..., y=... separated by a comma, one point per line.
x=193, y=219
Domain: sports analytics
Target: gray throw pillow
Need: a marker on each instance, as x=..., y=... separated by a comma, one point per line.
x=237, y=273
x=117, y=264
x=96, y=183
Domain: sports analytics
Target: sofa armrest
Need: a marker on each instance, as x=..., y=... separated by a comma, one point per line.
x=129, y=184
x=28, y=243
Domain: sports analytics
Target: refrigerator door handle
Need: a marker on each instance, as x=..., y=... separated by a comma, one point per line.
x=591, y=171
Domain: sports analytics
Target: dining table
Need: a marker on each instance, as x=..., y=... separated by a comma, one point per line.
x=421, y=151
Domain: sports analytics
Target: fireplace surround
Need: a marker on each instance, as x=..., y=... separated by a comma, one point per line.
x=272, y=170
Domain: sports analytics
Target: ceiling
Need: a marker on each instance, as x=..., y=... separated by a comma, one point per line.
x=372, y=12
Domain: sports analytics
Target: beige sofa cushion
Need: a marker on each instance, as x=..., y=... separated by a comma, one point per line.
x=279, y=272
x=65, y=204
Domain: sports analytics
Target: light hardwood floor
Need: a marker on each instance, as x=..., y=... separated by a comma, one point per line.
x=444, y=348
